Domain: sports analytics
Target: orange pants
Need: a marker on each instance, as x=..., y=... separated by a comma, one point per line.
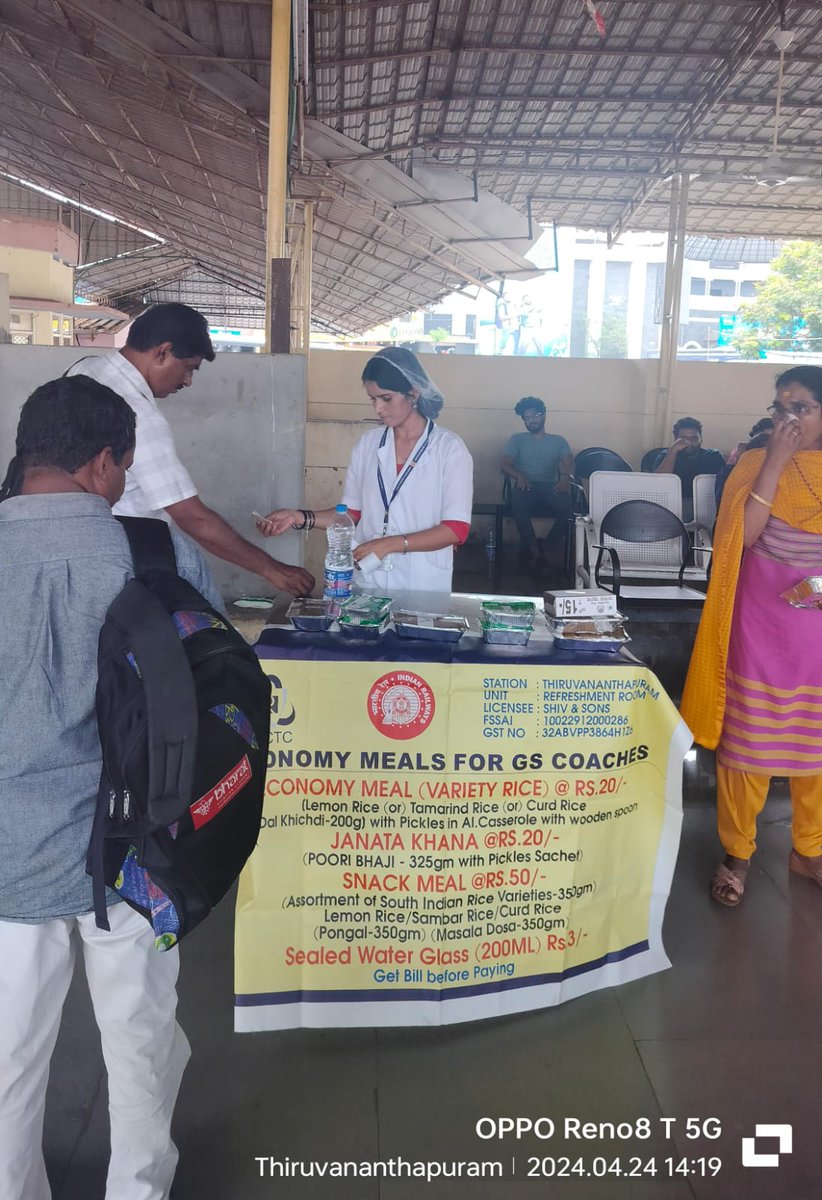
x=740, y=798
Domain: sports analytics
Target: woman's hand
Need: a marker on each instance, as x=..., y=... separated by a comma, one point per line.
x=280, y=521
x=784, y=441
x=379, y=546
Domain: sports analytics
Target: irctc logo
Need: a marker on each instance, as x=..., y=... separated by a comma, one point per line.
x=282, y=710
x=751, y=1157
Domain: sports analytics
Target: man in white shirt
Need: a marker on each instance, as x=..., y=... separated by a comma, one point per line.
x=165, y=346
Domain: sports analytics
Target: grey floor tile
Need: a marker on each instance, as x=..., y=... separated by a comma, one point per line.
x=577, y=1061
x=760, y=964
x=743, y=1083
x=303, y=1095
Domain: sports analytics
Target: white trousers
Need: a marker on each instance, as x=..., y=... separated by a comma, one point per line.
x=133, y=990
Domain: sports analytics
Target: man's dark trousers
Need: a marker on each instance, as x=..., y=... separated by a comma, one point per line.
x=541, y=501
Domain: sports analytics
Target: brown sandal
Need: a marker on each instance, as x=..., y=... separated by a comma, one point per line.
x=727, y=886
x=810, y=868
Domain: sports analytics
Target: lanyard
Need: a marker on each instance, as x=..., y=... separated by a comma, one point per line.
x=386, y=503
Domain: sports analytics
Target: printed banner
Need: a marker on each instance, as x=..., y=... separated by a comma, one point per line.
x=447, y=841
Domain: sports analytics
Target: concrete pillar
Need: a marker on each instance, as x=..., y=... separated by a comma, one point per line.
x=5, y=310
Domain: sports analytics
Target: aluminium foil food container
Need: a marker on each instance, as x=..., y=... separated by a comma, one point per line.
x=362, y=631
x=364, y=607
x=583, y=628
x=311, y=615
x=432, y=627
x=497, y=634
x=594, y=645
x=589, y=634
x=518, y=614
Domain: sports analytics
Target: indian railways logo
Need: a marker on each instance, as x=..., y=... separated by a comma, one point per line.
x=401, y=705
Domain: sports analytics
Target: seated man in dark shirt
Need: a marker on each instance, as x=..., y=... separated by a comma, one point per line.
x=687, y=458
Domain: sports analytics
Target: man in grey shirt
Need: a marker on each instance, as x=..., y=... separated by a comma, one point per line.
x=63, y=559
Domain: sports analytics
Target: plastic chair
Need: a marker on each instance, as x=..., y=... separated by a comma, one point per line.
x=705, y=502
x=704, y=516
x=606, y=489
x=598, y=458
x=643, y=523
x=651, y=458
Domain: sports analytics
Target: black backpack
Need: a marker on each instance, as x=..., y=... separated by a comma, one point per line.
x=183, y=711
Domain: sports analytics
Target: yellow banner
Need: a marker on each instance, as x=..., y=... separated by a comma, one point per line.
x=445, y=842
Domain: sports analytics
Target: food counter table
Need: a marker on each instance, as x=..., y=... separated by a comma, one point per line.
x=454, y=831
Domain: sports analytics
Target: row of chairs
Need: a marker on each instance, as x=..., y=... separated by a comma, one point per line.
x=628, y=524
x=600, y=458
x=633, y=529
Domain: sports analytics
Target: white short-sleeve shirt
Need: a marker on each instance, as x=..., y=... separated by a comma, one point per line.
x=157, y=478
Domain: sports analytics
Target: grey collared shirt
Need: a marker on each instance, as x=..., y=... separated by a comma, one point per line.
x=63, y=559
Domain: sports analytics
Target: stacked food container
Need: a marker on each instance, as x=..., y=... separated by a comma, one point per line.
x=585, y=621
x=365, y=617
x=507, y=622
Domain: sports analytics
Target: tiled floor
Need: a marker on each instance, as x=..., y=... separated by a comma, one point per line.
x=732, y=1033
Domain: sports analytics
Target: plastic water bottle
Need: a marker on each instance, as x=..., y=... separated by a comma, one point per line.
x=491, y=544
x=339, y=561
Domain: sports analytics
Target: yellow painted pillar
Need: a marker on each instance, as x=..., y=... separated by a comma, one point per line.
x=277, y=148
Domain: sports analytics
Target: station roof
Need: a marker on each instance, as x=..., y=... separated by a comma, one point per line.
x=156, y=111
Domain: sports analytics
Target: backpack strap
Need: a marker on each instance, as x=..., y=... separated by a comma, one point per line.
x=95, y=858
x=171, y=699
x=149, y=540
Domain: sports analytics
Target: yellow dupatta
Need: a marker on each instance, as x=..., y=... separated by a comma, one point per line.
x=703, y=701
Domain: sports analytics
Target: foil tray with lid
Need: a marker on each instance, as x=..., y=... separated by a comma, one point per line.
x=431, y=627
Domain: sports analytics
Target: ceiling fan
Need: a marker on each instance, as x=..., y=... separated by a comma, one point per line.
x=776, y=169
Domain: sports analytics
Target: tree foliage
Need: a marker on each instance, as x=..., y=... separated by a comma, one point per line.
x=787, y=311
x=438, y=335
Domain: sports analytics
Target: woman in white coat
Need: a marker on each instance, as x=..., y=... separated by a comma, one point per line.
x=408, y=488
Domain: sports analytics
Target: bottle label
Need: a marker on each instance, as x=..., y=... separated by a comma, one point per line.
x=337, y=584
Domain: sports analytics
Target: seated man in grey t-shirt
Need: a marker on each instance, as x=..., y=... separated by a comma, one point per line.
x=540, y=466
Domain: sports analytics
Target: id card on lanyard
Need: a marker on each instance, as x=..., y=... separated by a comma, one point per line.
x=386, y=502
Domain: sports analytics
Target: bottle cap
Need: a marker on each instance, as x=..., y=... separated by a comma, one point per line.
x=341, y=508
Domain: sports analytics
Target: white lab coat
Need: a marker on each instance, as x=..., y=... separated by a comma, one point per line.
x=439, y=488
